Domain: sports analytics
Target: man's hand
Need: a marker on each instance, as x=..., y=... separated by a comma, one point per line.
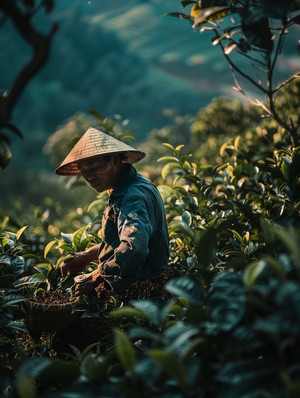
x=79, y=261
x=89, y=283
x=73, y=265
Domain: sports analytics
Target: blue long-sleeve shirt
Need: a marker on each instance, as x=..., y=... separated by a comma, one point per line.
x=134, y=231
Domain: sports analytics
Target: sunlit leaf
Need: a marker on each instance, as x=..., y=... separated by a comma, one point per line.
x=168, y=159
x=77, y=236
x=195, y=10
x=20, y=231
x=237, y=236
x=211, y=14
x=48, y=247
x=168, y=169
x=167, y=145
x=178, y=149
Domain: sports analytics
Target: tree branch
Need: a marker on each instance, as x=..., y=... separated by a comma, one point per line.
x=41, y=46
x=290, y=128
x=291, y=78
x=269, y=91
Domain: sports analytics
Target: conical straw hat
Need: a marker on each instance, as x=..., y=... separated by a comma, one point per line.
x=95, y=143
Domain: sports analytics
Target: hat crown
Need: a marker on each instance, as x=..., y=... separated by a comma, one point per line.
x=96, y=143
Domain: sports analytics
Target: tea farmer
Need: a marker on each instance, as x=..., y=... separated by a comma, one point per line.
x=135, y=245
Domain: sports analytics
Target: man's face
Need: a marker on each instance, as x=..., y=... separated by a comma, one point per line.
x=100, y=172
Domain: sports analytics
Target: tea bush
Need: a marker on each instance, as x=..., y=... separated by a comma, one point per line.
x=232, y=326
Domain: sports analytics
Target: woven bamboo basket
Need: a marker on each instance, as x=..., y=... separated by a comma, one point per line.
x=49, y=318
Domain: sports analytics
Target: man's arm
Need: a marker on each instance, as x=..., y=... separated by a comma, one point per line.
x=135, y=227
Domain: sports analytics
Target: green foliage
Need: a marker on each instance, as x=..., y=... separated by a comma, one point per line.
x=236, y=339
x=231, y=328
x=24, y=276
x=215, y=212
x=254, y=17
x=255, y=30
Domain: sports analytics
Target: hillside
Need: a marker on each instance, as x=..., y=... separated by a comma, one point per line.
x=125, y=58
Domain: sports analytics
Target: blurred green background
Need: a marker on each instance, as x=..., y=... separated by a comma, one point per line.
x=125, y=58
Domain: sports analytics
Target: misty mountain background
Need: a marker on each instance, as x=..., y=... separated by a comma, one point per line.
x=119, y=57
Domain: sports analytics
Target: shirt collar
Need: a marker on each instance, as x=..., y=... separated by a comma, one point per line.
x=125, y=181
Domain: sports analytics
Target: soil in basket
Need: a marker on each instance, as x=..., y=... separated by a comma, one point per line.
x=49, y=312
x=53, y=297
